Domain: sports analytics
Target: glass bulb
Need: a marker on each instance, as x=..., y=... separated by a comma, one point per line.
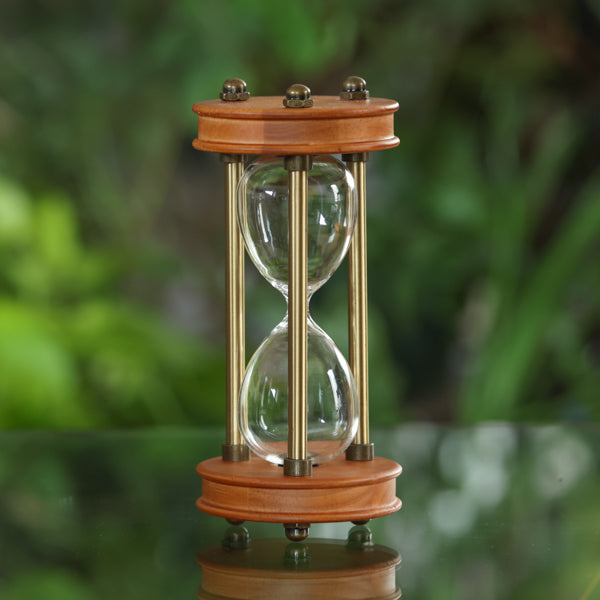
x=263, y=217
x=332, y=405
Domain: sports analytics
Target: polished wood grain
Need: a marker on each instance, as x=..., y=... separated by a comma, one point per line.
x=262, y=125
x=339, y=490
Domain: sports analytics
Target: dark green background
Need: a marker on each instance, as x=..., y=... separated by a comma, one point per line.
x=484, y=225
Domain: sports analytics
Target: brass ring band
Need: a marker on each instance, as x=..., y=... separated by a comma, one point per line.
x=360, y=452
x=297, y=467
x=235, y=452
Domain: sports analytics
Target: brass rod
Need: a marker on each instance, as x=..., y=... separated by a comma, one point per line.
x=357, y=303
x=298, y=313
x=234, y=291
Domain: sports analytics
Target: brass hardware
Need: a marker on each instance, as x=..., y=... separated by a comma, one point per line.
x=236, y=538
x=297, y=467
x=298, y=96
x=296, y=556
x=231, y=158
x=298, y=313
x=296, y=532
x=356, y=157
x=354, y=88
x=235, y=452
x=234, y=449
x=360, y=538
x=360, y=452
x=357, y=310
x=234, y=90
x=302, y=162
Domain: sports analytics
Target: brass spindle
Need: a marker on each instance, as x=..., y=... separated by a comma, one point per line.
x=297, y=462
x=361, y=448
x=234, y=449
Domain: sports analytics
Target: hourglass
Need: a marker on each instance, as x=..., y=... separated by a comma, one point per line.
x=298, y=405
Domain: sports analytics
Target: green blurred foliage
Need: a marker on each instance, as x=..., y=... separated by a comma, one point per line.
x=484, y=226
x=73, y=352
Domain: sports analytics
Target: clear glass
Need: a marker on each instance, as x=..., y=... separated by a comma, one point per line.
x=263, y=217
x=331, y=398
x=332, y=404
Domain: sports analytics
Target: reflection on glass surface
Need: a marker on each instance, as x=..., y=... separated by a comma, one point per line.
x=317, y=569
x=493, y=512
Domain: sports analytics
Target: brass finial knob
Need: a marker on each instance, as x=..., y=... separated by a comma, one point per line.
x=354, y=88
x=297, y=96
x=234, y=90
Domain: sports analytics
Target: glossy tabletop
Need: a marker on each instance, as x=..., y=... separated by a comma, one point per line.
x=489, y=512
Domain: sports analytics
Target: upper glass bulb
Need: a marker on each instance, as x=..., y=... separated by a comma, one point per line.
x=263, y=215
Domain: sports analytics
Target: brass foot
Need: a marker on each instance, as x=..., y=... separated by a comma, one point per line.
x=296, y=532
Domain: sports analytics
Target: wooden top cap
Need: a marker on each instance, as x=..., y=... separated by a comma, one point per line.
x=263, y=125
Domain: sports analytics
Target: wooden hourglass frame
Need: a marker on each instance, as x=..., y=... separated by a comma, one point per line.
x=239, y=486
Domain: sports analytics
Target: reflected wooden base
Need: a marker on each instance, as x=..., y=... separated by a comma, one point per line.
x=339, y=490
x=333, y=571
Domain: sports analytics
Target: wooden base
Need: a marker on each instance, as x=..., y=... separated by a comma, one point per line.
x=339, y=490
x=333, y=571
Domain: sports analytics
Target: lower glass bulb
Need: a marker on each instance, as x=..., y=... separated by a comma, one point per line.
x=332, y=405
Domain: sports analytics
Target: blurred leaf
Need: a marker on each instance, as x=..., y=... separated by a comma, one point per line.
x=15, y=214
x=56, y=233
x=38, y=377
x=514, y=347
x=50, y=584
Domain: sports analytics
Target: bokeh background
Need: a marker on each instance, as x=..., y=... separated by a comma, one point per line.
x=484, y=225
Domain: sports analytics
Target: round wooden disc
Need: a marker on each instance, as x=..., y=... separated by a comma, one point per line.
x=262, y=125
x=339, y=490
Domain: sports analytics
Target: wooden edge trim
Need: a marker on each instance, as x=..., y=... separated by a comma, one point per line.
x=294, y=516
x=266, y=108
x=355, y=473
x=364, y=500
x=287, y=149
x=356, y=571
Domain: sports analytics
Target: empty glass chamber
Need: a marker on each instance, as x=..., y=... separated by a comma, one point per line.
x=332, y=407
